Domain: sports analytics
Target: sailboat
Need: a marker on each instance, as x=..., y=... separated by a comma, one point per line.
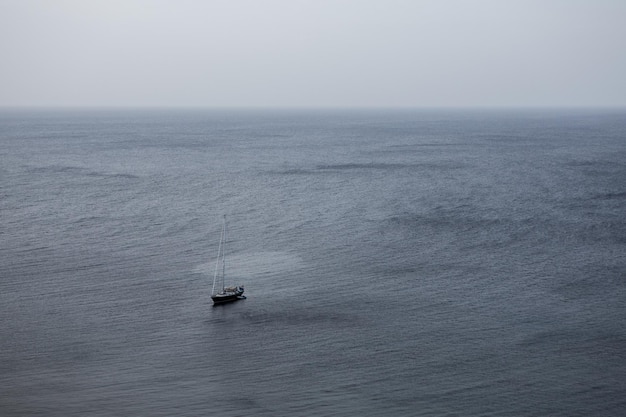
x=220, y=293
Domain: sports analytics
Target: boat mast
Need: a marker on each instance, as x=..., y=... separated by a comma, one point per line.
x=220, y=254
x=224, y=256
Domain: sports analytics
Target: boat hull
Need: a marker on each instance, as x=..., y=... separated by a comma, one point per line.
x=228, y=296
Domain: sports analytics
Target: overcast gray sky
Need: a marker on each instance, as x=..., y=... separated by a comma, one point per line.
x=313, y=53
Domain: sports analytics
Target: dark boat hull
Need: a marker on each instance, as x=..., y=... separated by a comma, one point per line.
x=228, y=296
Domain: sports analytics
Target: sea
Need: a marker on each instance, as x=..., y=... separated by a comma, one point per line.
x=396, y=262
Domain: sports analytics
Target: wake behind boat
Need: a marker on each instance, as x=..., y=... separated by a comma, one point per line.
x=220, y=293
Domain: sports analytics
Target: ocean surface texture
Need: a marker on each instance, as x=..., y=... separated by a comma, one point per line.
x=396, y=263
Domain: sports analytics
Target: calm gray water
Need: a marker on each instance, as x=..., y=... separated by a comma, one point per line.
x=402, y=263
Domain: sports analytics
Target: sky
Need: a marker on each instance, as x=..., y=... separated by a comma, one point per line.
x=313, y=53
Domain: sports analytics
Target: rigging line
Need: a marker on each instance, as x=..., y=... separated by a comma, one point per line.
x=217, y=261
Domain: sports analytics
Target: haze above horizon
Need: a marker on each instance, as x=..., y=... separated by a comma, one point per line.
x=312, y=53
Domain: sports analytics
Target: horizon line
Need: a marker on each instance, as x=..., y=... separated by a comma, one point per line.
x=303, y=107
